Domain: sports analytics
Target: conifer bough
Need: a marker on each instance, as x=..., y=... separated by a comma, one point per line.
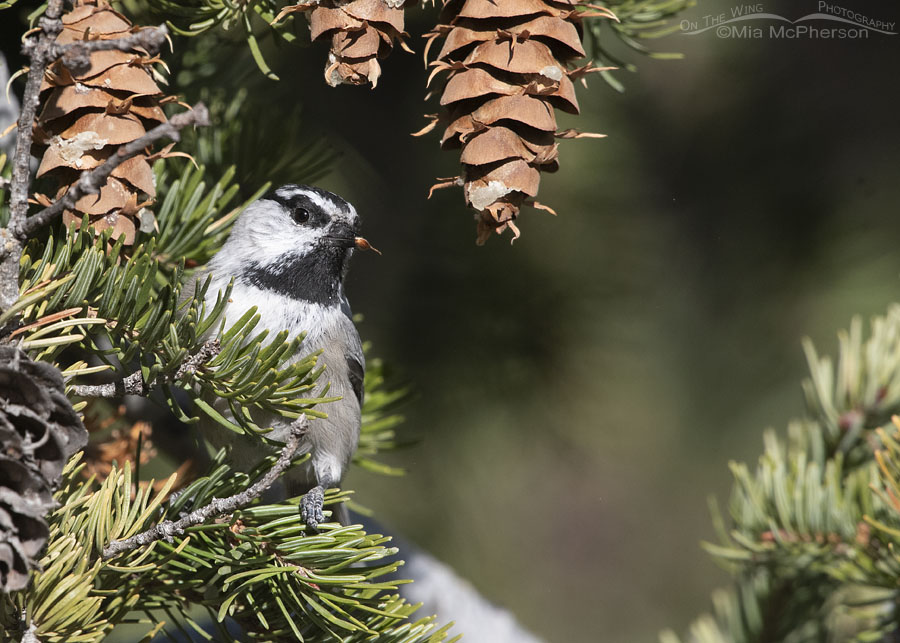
x=508, y=65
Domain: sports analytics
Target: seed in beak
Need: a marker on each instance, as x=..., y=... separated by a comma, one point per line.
x=362, y=244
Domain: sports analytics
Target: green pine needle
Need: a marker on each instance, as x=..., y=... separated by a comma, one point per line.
x=814, y=527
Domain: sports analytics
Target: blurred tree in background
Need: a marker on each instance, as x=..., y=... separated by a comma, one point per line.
x=579, y=393
x=810, y=534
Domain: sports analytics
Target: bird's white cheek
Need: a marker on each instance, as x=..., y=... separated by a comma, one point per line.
x=283, y=239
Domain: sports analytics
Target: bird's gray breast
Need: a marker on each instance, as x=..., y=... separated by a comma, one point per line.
x=332, y=440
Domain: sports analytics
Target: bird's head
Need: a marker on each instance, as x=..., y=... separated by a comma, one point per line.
x=296, y=240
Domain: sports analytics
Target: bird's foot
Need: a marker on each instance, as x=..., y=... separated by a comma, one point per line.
x=311, y=507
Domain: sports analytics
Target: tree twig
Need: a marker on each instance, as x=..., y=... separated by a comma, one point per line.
x=91, y=181
x=217, y=506
x=38, y=49
x=130, y=385
x=134, y=383
x=209, y=350
x=76, y=55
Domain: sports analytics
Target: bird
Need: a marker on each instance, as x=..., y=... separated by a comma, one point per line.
x=288, y=255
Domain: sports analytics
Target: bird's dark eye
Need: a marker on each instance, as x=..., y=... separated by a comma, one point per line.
x=300, y=215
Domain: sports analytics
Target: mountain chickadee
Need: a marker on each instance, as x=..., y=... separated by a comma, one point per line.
x=288, y=254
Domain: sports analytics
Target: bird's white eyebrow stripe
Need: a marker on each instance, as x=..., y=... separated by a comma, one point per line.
x=289, y=193
x=321, y=200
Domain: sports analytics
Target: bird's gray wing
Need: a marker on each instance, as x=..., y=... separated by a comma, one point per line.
x=356, y=360
x=356, y=368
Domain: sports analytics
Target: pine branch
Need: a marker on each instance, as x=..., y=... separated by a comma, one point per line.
x=814, y=526
x=135, y=384
x=637, y=21
x=218, y=506
x=257, y=567
x=209, y=350
x=130, y=385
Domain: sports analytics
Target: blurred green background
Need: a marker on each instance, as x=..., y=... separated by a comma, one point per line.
x=580, y=393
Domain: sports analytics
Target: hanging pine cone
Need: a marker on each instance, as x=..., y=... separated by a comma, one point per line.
x=360, y=32
x=39, y=432
x=87, y=115
x=508, y=65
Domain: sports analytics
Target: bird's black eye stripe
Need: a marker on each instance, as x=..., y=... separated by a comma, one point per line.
x=302, y=209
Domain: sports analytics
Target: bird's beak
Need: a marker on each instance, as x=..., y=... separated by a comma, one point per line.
x=341, y=235
x=344, y=236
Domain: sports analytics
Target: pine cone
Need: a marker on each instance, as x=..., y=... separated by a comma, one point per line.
x=360, y=32
x=39, y=432
x=508, y=65
x=87, y=115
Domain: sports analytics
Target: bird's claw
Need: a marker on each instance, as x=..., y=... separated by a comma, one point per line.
x=311, y=508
